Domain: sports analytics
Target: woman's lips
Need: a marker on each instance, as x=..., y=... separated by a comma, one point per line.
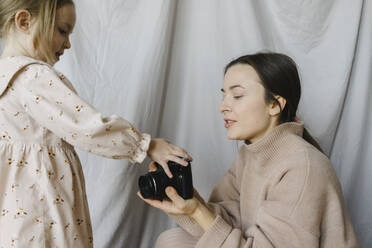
x=229, y=123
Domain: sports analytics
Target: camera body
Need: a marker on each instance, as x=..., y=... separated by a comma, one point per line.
x=152, y=185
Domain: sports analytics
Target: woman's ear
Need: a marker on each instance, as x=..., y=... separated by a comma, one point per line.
x=23, y=21
x=277, y=106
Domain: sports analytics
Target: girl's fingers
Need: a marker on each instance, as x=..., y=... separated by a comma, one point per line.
x=152, y=166
x=178, y=160
x=177, y=151
x=166, y=168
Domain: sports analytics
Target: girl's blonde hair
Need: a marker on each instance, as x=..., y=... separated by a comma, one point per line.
x=45, y=13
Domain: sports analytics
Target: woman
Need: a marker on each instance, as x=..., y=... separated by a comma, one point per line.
x=281, y=191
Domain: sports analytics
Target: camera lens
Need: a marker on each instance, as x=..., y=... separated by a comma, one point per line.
x=152, y=184
x=147, y=186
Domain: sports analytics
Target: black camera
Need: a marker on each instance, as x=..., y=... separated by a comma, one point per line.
x=152, y=185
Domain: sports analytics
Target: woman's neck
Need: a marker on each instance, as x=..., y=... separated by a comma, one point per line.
x=270, y=126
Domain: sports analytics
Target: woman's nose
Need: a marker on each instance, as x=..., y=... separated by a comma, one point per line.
x=223, y=107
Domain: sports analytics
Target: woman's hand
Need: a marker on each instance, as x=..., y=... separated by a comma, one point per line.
x=162, y=151
x=194, y=208
x=177, y=205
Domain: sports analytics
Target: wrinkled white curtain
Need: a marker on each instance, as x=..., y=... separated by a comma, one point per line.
x=159, y=64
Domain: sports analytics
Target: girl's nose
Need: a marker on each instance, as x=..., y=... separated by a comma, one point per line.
x=68, y=44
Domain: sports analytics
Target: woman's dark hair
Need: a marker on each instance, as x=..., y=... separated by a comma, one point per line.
x=279, y=76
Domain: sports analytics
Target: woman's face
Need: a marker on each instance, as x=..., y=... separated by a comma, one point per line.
x=246, y=114
x=64, y=25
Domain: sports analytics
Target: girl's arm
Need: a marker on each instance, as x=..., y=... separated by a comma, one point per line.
x=51, y=101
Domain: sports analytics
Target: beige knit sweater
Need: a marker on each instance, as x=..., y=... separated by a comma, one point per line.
x=280, y=192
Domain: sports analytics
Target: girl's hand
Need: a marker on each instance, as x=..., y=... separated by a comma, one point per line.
x=162, y=151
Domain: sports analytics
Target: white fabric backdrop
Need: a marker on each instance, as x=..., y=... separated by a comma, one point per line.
x=160, y=65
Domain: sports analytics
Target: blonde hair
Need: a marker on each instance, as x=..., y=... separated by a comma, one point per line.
x=45, y=13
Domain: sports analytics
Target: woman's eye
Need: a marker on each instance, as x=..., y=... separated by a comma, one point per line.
x=237, y=97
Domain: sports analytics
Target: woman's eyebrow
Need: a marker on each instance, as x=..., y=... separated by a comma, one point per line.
x=236, y=86
x=233, y=87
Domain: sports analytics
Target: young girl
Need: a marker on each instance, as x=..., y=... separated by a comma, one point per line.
x=42, y=191
x=281, y=190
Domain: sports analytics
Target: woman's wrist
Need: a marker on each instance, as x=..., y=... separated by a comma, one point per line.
x=203, y=216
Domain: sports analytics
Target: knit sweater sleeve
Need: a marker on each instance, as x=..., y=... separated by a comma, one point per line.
x=224, y=202
x=303, y=207
x=273, y=226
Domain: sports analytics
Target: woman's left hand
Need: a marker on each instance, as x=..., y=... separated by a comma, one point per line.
x=194, y=208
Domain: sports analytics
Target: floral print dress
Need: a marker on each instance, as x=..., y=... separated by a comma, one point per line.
x=42, y=190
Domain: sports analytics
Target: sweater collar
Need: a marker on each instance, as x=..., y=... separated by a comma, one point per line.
x=274, y=141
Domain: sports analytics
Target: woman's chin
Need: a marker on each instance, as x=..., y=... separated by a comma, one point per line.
x=232, y=136
x=235, y=136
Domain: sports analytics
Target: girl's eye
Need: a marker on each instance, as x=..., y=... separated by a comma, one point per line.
x=61, y=31
x=237, y=97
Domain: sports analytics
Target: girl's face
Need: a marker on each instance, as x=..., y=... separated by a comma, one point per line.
x=64, y=25
x=247, y=116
